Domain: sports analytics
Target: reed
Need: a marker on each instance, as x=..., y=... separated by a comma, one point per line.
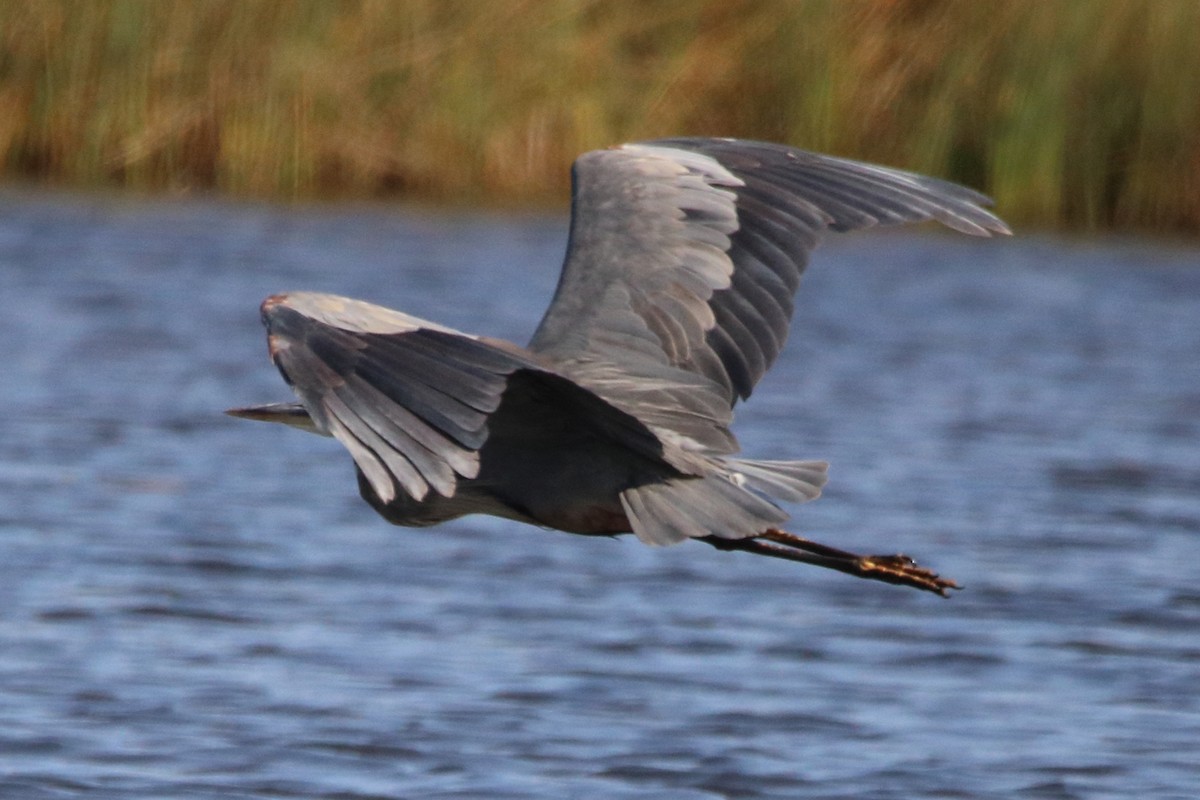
x=1082, y=113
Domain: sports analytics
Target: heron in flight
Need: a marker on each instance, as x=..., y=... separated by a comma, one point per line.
x=675, y=298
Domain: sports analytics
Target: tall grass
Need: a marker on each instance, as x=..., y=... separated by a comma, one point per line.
x=1083, y=113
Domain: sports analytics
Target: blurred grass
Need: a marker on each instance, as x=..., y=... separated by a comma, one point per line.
x=1079, y=113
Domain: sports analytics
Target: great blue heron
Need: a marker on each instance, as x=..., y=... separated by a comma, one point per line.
x=675, y=298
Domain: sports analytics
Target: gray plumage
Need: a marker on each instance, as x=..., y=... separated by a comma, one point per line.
x=675, y=298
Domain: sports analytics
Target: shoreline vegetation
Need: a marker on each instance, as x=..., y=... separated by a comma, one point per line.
x=1082, y=114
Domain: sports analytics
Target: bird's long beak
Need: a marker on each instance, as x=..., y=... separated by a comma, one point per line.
x=292, y=414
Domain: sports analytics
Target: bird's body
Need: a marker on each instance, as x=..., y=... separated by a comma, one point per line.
x=675, y=298
x=535, y=467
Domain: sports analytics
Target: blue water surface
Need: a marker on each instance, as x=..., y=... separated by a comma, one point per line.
x=193, y=606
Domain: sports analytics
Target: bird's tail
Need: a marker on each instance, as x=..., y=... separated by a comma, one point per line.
x=793, y=481
x=729, y=503
x=677, y=509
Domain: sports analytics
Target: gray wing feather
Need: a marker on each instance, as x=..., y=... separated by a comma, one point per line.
x=684, y=257
x=409, y=399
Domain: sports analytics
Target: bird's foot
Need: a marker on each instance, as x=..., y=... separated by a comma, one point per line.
x=902, y=570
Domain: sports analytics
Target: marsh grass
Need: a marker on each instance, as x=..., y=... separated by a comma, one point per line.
x=1083, y=113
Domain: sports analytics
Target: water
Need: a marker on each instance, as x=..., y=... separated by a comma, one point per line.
x=193, y=606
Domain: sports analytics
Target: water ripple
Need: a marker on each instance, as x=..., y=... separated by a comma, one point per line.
x=191, y=606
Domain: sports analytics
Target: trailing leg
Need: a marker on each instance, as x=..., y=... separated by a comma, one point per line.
x=897, y=569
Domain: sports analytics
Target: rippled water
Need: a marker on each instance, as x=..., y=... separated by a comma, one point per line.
x=193, y=606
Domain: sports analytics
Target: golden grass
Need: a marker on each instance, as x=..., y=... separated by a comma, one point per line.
x=1083, y=113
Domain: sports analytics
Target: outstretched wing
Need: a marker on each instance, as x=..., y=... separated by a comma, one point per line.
x=685, y=254
x=408, y=398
